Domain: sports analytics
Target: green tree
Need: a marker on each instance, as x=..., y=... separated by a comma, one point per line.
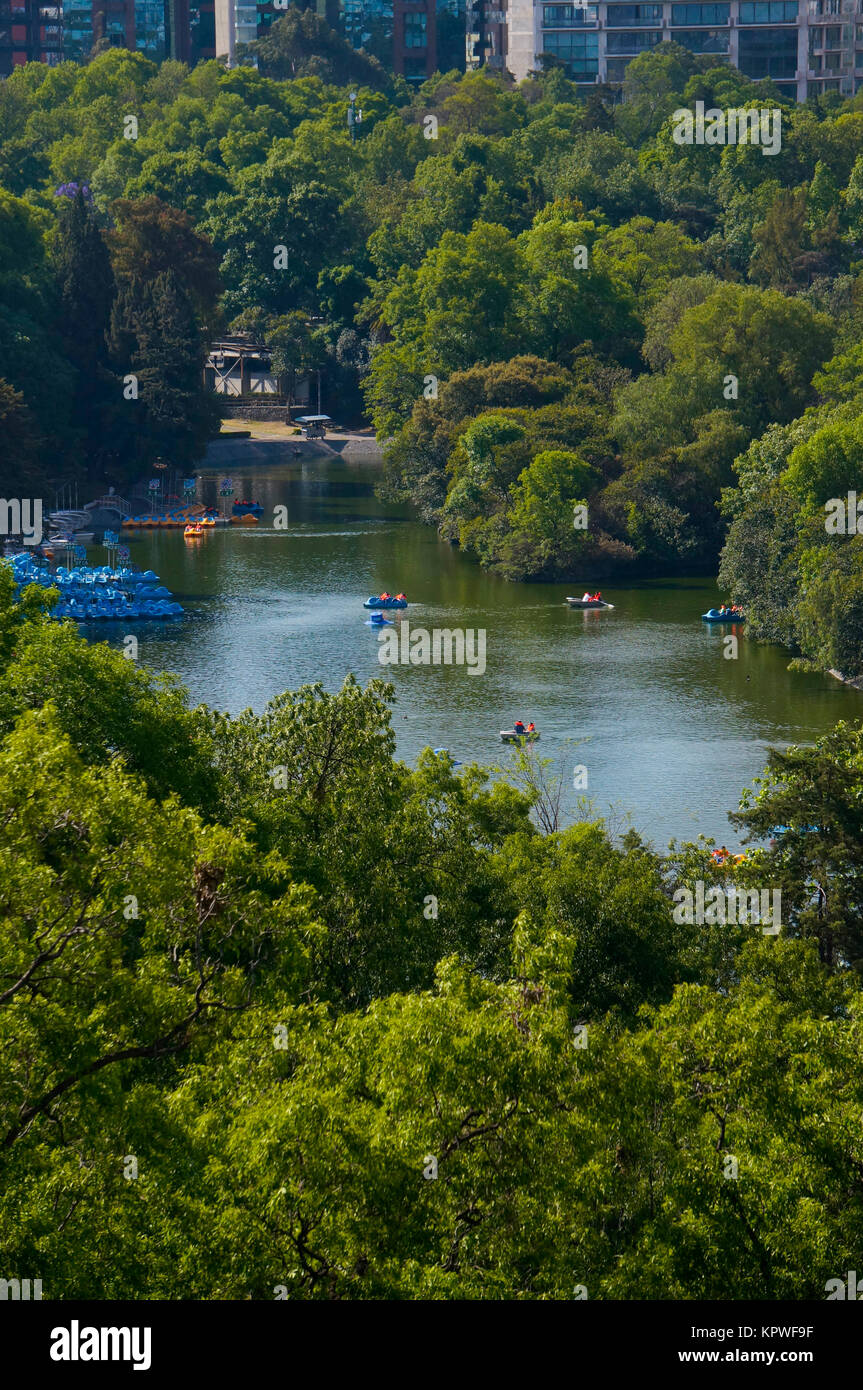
x=301, y=44
x=150, y=238
x=543, y=514
x=649, y=257
x=808, y=799
x=85, y=292
x=154, y=336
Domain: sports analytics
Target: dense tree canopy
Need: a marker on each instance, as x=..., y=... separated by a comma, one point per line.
x=282, y=1017
x=687, y=301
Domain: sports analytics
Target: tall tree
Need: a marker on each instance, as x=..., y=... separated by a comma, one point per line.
x=151, y=237
x=155, y=338
x=301, y=44
x=85, y=290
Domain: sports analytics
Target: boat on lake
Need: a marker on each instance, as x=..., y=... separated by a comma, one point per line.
x=510, y=736
x=385, y=601
x=588, y=603
x=723, y=615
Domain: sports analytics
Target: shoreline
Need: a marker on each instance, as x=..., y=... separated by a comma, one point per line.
x=264, y=436
x=856, y=682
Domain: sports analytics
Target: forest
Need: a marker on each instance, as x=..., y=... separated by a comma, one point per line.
x=542, y=302
x=282, y=1017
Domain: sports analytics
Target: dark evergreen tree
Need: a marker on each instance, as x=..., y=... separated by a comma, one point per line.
x=301, y=44
x=21, y=471
x=85, y=289
x=85, y=283
x=155, y=337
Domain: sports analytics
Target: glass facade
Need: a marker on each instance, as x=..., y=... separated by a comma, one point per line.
x=149, y=28
x=825, y=36
x=700, y=14
x=415, y=29
x=568, y=16
x=703, y=40
x=616, y=67
x=633, y=43
x=578, y=52
x=761, y=37
x=77, y=29
x=450, y=25
x=624, y=16
x=246, y=22
x=768, y=53
x=368, y=24
x=768, y=12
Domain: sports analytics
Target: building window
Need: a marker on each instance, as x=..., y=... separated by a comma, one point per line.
x=623, y=16
x=579, y=53
x=415, y=29
x=768, y=12
x=819, y=7
x=633, y=43
x=820, y=38
x=768, y=53
x=703, y=40
x=568, y=16
x=616, y=68
x=700, y=14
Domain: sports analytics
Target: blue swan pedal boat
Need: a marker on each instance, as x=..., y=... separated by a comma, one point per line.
x=385, y=603
x=713, y=615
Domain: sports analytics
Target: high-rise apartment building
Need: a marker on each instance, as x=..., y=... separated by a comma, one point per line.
x=30, y=32
x=413, y=37
x=486, y=35
x=805, y=46
x=157, y=28
x=238, y=22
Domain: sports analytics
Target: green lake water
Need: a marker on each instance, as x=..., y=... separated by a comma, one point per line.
x=668, y=729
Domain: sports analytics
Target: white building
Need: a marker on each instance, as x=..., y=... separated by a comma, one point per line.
x=806, y=46
x=236, y=23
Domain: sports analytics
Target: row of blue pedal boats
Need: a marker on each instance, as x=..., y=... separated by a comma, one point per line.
x=97, y=593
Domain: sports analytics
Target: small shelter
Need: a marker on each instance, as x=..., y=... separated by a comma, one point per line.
x=314, y=426
x=240, y=366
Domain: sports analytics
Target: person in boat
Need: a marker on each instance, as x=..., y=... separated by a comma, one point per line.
x=596, y=598
x=531, y=728
x=518, y=727
x=383, y=596
x=402, y=597
x=585, y=598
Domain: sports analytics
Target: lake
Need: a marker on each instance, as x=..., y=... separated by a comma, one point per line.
x=643, y=697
